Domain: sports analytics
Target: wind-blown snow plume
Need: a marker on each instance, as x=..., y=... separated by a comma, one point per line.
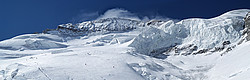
x=118, y=13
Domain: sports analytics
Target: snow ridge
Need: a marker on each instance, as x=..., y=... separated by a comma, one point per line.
x=100, y=25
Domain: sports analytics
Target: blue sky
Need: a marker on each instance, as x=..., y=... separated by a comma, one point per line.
x=29, y=16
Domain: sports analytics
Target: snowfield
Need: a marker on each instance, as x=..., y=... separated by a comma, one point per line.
x=114, y=48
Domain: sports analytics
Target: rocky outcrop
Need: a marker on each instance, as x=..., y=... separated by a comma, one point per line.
x=247, y=26
x=98, y=26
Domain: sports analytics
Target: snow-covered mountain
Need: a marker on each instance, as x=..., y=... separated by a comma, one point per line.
x=120, y=48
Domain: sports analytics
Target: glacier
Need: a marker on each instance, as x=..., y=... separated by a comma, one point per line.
x=125, y=48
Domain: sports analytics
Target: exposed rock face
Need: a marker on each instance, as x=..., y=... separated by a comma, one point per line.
x=247, y=25
x=99, y=25
x=247, y=20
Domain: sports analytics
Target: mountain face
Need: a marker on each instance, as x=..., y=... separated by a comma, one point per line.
x=100, y=25
x=199, y=33
x=124, y=48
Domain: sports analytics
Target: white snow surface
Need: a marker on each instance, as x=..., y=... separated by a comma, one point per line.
x=125, y=54
x=233, y=66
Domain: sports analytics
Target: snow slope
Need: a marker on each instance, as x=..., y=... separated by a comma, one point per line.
x=121, y=48
x=233, y=66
